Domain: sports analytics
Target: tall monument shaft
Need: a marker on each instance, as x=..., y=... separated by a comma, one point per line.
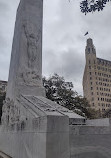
x=25, y=75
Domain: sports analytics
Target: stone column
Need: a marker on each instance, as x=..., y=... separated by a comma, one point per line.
x=25, y=75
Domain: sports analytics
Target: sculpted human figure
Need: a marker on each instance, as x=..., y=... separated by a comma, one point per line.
x=5, y=112
x=32, y=43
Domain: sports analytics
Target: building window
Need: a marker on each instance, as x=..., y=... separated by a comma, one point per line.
x=91, y=88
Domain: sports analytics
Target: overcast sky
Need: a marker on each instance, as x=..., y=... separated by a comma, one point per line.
x=64, y=43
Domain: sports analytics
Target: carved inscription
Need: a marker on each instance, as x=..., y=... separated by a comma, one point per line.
x=48, y=107
x=41, y=105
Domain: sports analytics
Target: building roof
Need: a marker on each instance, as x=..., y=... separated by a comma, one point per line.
x=104, y=61
x=1, y=81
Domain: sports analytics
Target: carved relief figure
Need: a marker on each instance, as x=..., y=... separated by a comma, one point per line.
x=10, y=113
x=33, y=37
x=31, y=78
x=5, y=112
x=30, y=74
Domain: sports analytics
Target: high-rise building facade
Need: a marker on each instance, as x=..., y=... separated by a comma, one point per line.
x=97, y=79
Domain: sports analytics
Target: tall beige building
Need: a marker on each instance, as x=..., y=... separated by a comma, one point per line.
x=97, y=79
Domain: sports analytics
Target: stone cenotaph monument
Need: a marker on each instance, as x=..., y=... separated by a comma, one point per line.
x=32, y=126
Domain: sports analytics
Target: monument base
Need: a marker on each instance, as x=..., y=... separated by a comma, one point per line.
x=41, y=131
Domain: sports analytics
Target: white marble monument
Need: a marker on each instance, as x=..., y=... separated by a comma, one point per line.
x=34, y=126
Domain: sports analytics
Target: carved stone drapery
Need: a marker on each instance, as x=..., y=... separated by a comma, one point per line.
x=33, y=37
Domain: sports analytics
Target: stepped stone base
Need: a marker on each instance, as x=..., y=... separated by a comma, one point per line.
x=40, y=132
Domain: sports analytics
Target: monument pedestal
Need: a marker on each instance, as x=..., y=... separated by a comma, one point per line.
x=32, y=126
x=40, y=132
